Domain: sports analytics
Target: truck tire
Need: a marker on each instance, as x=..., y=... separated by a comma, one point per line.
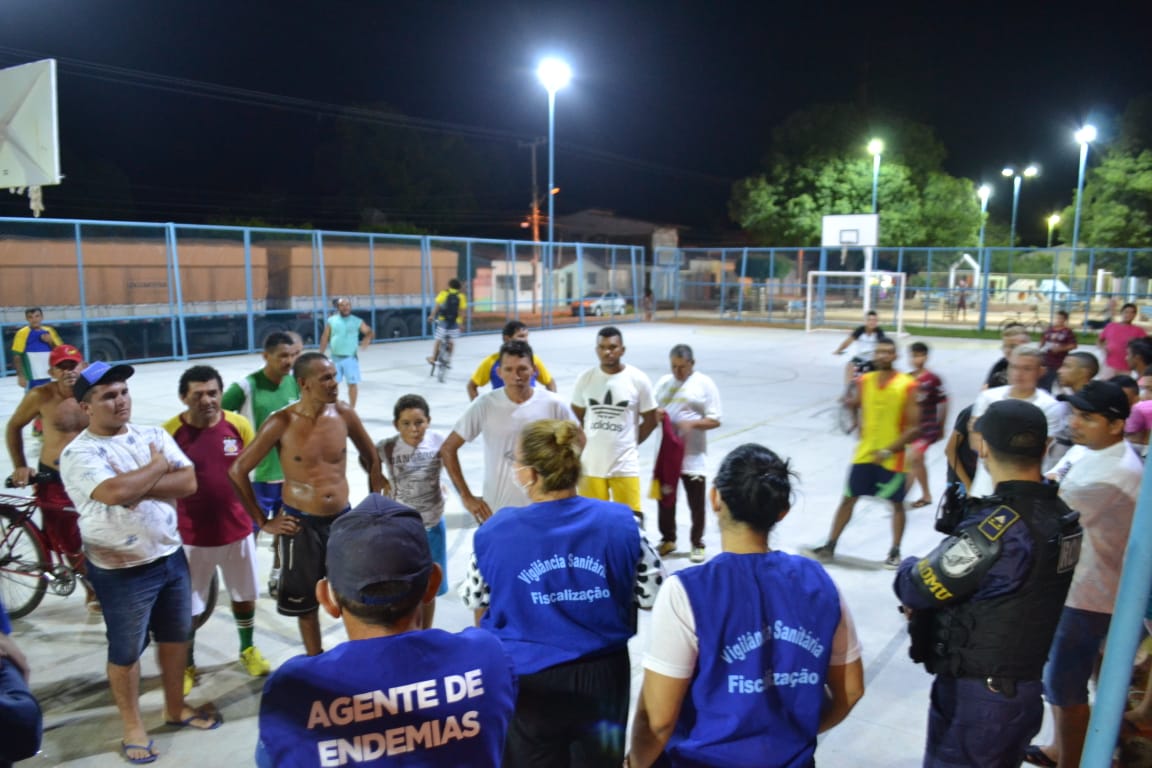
x=104, y=348
x=394, y=328
x=416, y=325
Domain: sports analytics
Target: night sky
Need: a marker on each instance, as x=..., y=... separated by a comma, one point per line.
x=670, y=103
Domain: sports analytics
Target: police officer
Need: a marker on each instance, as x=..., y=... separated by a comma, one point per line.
x=983, y=606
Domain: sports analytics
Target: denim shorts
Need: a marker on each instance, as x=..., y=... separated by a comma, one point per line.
x=438, y=543
x=1079, y=637
x=347, y=369
x=150, y=601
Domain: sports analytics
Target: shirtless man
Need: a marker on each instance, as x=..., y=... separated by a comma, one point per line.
x=311, y=436
x=62, y=419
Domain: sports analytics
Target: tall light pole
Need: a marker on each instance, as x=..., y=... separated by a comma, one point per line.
x=1084, y=136
x=983, y=193
x=875, y=148
x=553, y=74
x=1017, y=179
x=1053, y=220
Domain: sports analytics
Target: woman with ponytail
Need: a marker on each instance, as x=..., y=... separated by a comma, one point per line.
x=753, y=653
x=559, y=582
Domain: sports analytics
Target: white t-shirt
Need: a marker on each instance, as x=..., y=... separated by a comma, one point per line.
x=695, y=398
x=982, y=484
x=1102, y=486
x=613, y=404
x=116, y=536
x=415, y=474
x=500, y=421
x=675, y=647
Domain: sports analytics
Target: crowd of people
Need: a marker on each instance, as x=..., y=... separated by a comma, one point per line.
x=753, y=651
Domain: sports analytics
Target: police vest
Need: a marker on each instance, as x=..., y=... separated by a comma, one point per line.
x=1009, y=636
x=765, y=625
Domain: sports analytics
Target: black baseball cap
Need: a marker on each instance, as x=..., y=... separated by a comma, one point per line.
x=100, y=372
x=1103, y=397
x=380, y=540
x=1016, y=427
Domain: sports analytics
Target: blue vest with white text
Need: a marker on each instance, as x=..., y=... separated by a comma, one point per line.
x=563, y=575
x=765, y=625
x=419, y=699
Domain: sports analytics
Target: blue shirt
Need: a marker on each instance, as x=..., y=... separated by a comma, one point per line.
x=344, y=335
x=562, y=575
x=423, y=698
x=765, y=625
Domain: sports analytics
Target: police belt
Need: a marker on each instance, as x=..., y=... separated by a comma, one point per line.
x=1006, y=686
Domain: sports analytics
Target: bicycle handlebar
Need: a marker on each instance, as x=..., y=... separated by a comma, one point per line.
x=36, y=479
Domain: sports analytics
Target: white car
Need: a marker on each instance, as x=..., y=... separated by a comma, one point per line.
x=601, y=303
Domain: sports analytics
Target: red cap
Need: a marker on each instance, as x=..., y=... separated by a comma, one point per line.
x=64, y=352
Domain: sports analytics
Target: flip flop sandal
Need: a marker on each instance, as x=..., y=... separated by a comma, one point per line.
x=148, y=758
x=1033, y=755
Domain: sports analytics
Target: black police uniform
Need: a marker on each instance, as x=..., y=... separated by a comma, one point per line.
x=985, y=604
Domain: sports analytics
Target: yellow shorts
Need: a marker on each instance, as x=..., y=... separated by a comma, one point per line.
x=623, y=490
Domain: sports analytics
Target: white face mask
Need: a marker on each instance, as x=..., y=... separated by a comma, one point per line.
x=526, y=487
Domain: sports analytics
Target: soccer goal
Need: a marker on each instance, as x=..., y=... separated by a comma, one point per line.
x=839, y=300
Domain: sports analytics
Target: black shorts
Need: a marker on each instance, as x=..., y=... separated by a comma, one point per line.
x=876, y=481
x=302, y=563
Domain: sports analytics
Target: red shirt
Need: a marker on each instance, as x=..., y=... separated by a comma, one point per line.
x=929, y=394
x=1060, y=337
x=213, y=516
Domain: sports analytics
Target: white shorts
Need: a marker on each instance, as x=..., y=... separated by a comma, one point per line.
x=238, y=563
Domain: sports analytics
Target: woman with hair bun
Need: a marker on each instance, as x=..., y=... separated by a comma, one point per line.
x=559, y=581
x=753, y=653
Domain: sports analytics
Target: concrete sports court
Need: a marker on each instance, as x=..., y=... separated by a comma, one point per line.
x=779, y=388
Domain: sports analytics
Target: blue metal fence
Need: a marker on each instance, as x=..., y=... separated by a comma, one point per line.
x=141, y=291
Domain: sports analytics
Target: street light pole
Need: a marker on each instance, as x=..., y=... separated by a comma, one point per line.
x=1053, y=220
x=875, y=148
x=1084, y=136
x=983, y=193
x=1017, y=180
x=554, y=74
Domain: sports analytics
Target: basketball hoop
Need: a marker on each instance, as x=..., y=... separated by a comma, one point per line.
x=35, y=198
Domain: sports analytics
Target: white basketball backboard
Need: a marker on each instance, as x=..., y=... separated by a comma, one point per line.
x=851, y=231
x=29, y=144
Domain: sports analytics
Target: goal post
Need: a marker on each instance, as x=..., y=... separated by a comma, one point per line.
x=837, y=300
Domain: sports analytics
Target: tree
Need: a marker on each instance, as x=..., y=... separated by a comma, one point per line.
x=819, y=168
x=1117, y=209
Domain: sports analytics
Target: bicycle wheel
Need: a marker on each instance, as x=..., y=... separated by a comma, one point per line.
x=846, y=415
x=23, y=561
x=209, y=602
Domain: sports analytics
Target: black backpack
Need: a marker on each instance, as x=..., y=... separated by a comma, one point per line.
x=451, y=307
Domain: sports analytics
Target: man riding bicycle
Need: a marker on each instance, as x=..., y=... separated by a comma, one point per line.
x=449, y=304
x=865, y=337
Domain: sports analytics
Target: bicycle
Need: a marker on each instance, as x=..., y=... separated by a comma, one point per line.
x=1033, y=325
x=443, y=359
x=31, y=566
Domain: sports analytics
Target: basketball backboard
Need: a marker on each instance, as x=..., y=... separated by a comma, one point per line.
x=29, y=144
x=851, y=231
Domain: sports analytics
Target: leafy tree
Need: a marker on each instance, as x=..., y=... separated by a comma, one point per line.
x=1117, y=209
x=819, y=168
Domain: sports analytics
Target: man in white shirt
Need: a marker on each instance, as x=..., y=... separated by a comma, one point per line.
x=691, y=402
x=1025, y=367
x=499, y=415
x=124, y=480
x=1099, y=478
x=621, y=412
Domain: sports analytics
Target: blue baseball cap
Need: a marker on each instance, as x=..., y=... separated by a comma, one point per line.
x=379, y=541
x=100, y=373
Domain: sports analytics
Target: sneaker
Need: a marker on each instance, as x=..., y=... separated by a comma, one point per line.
x=823, y=553
x=892, y=562
x=191, y=675
x=666, y=548
x=255, y=662
x=697, y=555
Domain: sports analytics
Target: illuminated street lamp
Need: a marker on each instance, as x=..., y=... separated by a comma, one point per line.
x=983, y=193
x=1084, y=136
x=1017, y=179
x=553, y=74
x=875, y=148
x=1053, y=220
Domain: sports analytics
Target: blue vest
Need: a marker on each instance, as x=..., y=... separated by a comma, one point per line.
x=498, y=381
x=424, y=698
x=563, y=579
x=765, y=625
